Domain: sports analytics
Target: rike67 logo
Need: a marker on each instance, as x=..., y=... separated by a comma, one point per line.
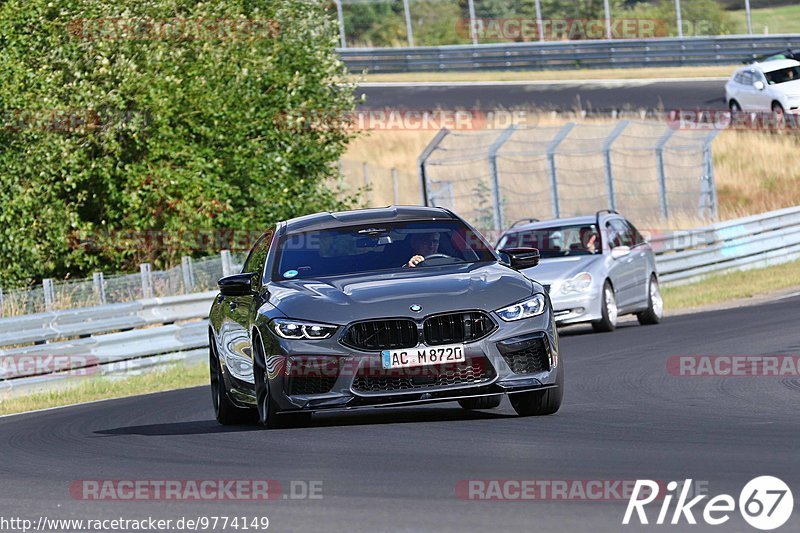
x=765, y=503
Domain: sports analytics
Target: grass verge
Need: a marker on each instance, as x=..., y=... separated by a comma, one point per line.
x=99, y=388
x=558, y=75
x=732, y=286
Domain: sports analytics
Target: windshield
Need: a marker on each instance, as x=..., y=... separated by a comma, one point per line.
x=357, y=249
x=783, y=75
x=559, y=241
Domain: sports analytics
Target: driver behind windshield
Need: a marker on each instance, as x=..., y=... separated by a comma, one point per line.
x=422, y=245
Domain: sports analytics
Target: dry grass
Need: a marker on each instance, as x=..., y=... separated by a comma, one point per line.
x=558, y=75
x=754, y=171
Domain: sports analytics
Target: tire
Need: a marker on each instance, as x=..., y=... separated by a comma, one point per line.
x=540, y=403
x=655, y=304
x=777, y=108
x=608, y=305
x=225, y=411
x=484, y=402
x=268, y=415
x=734, y=106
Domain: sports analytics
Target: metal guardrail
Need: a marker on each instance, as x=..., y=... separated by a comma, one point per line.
x=665, y=52
x=82, y=336
x=751, y=242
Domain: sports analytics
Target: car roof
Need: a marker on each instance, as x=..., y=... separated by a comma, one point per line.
x=770, y=66
x=571, y=221
x=381, y=215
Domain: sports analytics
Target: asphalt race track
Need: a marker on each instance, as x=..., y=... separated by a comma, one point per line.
x=589, y=95
x=624, y=417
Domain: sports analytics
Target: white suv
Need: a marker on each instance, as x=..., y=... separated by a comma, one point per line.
x=769, y=86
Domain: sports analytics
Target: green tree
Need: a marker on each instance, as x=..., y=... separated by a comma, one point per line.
x=187, y=129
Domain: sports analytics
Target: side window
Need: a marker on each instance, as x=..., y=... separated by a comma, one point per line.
x=258, y=255
x=623, y=233
x=630, y=237
x=614, y=236
x=747, y=78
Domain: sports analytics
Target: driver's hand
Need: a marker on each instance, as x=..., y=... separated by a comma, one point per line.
x=414, y=261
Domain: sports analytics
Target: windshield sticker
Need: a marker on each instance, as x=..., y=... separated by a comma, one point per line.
x=290, y=273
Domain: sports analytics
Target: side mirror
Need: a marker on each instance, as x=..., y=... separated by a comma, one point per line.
x=759, y=85
x=520, y=258
x=620, y=251
x=236, y=285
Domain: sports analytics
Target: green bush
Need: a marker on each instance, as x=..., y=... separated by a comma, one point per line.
x=159, y=132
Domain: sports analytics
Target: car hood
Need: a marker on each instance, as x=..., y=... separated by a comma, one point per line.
x=344, y=299
x=788, y=87
x=548, y=271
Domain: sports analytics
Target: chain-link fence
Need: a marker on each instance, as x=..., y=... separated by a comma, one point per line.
x=193, y=275
x=647, y=170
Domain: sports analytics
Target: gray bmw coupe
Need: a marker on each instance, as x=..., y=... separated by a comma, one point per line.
x=378, y=308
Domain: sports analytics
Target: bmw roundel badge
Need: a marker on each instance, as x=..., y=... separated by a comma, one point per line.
x=416, y=308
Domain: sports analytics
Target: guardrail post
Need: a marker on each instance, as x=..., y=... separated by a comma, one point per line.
x=225, y=257
x=187, y=269
x=662, y=178
x=147, y=280
x=423, y=158
x=49, y=294
x=551, y=165
x=497, y=213
x=99, y=287
x=612, y=198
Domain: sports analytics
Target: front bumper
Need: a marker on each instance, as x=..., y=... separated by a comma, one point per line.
x=328, y=373
x=577, y=307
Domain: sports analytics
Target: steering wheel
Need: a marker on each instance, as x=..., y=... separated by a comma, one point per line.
x=447, y=258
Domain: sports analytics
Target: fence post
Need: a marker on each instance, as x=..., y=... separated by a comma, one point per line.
x=612, y=198
x=395, y=187
x=225, y=257
x=423, y=157
x=2, y=304
x=409, y=31
x=708, y=194
x=607, y=10
x=49, y=294
x=472, y=29
x=99, y=286
x=539, y=20
x=662, y=178
x=679, y=21
x=365, y=167
x=147, y=280
x=551, y=164
x=497, y=213
x=340, y=16
x=187, y=268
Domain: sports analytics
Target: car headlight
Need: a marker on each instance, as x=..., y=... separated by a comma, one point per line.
x=579, y=283
x=531, y=307
x=295, y=329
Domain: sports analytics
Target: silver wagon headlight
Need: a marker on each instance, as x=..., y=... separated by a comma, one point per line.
x=580, y=283
x=531, y=307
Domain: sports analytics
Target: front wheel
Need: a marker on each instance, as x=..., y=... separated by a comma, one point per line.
x=608, y=307
x=538, y=403
x=734, y=106
x=268, y=415
x=655, y=305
